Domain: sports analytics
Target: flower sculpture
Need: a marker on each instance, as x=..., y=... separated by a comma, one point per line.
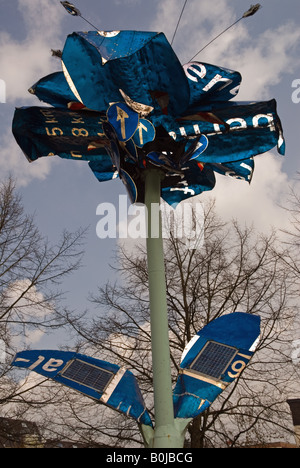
x=124, y=103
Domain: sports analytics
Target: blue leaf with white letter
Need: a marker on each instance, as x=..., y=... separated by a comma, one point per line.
x=107, y=383
x=214, y=358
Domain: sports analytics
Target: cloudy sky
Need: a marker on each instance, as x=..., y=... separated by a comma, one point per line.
x=265, y=49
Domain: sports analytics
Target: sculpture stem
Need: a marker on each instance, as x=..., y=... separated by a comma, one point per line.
x=166, y=434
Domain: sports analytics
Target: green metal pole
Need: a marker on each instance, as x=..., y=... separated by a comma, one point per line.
x=166, y=433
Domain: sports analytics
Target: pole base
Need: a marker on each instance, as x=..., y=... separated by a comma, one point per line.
x=168, y=437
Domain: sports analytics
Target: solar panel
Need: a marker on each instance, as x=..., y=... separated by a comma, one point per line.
x=213, y=359
x=88, y=375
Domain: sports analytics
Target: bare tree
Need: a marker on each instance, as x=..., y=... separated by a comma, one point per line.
x=236, y=269
x=292, y=235
x=31, y=271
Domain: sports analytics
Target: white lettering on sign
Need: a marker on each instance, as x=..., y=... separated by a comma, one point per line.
x=50, y=366
x=236, y=124
x=200, y=71
x=2, y=92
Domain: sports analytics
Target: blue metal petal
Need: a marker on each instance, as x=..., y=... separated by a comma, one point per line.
x=248, y=129
x=105, y=382
x=54, y=90
x=209, y=83
x=213, y=359
x=97, y=66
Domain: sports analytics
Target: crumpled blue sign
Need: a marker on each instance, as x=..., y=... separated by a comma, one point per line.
x=105, y=382
x=124, y=103
x=214, y=358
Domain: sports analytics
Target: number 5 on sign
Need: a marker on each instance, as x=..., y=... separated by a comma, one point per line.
x=145, y=133
x=2, y=92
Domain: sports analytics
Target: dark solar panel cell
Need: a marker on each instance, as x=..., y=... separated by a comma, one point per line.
x=88, y=375
x=213, y=359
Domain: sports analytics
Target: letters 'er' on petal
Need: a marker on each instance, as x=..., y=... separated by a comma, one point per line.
x=124, y=103
x=209, y=83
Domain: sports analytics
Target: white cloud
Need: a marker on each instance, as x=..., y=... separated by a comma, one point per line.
x=22, y=63
x=199, y=24
x=194, y=21
x=259, y=204
x=266, y=61
x=26, y=298
x=262, y=60
x=27, y=305
x=13, y=161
